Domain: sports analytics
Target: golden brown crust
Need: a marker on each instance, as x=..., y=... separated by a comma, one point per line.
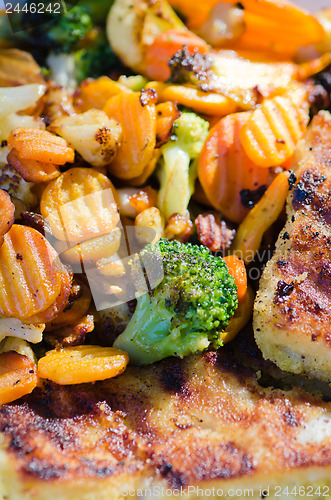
x=179, y=422
x=293, y=307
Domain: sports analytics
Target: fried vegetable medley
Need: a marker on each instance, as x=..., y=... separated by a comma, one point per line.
x=147, y=150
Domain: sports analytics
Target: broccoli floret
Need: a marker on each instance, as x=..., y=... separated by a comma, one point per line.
x=51, y=32
x=95, y=61
x=187, y=311
x=70, y=29
x=177, y=172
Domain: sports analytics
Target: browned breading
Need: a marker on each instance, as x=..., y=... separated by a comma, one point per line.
x=293, y=307
x=202, y=421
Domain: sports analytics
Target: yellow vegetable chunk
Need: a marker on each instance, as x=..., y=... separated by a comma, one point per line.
x=260, y=218
x=79, y=205
x=82, y=364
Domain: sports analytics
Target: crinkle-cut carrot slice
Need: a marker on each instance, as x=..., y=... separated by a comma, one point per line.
x=18, y=376
x=30, y=278
x=32, y=170
x=7, y=212
x=209, y=103
x=165, y=46
x=136, y=114
x=225, y=170
x=80, y=204
x=272, y=132
x=40, y=145
x=93, y=94
x=82, y=364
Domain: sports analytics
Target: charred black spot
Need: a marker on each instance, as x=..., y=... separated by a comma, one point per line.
x=324, y=277
x=173, y=376
x=290, y=419
x=292, y=179
x=148, y=96
x=44, y=470
x=284, y=290
x=249, y=197
x=305, y=190
x=190, y=68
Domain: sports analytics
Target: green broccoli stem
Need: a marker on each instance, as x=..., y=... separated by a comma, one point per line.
x=147, y=336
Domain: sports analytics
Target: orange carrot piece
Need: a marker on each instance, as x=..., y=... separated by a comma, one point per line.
x=165, y=46
x=137, y=116
x=269, y=23
x=224, y=169
x=30, y=277
x=7, y=211
x=32, y=170
x=272, y=131
x=208, y=103
x=18, y=376
x=93, y=94
x=40, y=145
x=166, y=114
x=237, y=270
x=82, y=364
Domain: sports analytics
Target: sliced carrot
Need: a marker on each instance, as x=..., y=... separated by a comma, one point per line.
x=209, y=103
x=7, y=213
x=276, y=26
x=165, y=46
x=272, y=132
x=80, y=204
x=224, y=169
x=93, y=94
x=32, y=170
x=237, y=270
x=137, y=116
x=18, y=376
x=30, y=277
x=82, y=364
x=40, y=145
x=166, y=114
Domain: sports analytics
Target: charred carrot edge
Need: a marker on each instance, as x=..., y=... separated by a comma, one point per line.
x=7, y=213
x=40, y=145
x=224, y=169
x=165, y=46
x=166, y=114
x=82, y=364
x=138, y=120
x=237, y=270
x=18, y=376
x=272, y=132
x=250, y=232
x=32, y=170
